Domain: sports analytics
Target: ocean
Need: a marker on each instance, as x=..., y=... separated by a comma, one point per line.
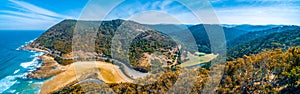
x=16, y=63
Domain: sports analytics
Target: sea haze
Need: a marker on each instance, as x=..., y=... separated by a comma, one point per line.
x=15, y=63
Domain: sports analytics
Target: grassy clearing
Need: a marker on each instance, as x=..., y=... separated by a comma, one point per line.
x=197, y=58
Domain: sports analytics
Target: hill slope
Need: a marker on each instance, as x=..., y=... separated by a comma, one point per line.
x=275, y=40
x=256, y=34
x=202, y=39
x=58, y=40
x=274, y=71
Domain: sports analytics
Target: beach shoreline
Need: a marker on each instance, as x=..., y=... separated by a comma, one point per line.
x=49, y=67
x=28, y=48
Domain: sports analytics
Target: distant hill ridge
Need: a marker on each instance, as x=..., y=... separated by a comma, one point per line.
x=256, y=34
x=283, y=39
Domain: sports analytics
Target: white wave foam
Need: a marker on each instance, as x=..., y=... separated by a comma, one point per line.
x=37, y=54
x=12, y=91
x=28, y=64
x=7, y=82
x=16, y=71
x=38, y=83
x=20, y=47
x=34, y=62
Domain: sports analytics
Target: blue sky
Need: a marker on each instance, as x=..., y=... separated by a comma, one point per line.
x=42, y=14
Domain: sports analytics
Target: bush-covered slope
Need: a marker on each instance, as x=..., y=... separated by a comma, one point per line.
x=58, y=37
x=274, y=71
x=234, y=35
x=202, y=39
x=256, y=34
x=275, y=40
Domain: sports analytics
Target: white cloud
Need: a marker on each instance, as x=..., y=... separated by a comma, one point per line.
x=35, y=9
x=259, y=15
x=23, y=15
x=24, y=23
x=28, y=15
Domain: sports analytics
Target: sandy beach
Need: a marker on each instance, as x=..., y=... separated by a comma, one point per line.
x=107, y=72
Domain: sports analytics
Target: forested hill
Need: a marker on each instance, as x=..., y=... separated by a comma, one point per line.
x=58, y=39
x=283, y=39
x=234, y=35
x=202, y=39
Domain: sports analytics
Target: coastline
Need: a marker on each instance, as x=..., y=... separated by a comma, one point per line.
x=17, y=63
x=49, y=67
x=65, y=75
x=27, y=47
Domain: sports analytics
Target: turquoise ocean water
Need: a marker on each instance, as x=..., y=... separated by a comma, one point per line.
x=16, y=63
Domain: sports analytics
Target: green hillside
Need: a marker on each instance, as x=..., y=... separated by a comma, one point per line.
x=256, y=34
x=58, y=39
x=276, y=40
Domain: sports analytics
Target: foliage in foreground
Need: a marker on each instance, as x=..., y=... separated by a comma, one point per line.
x=273, y=71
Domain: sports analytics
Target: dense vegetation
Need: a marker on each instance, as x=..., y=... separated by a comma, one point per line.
x=234, y=35
x=283, y=39
x=201, y=37
x=273, y=71
x=257, y=34
x=270, y=71
x=58, y=37
x=150, y=42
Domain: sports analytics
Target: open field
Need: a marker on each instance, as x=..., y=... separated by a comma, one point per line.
x=196, y=60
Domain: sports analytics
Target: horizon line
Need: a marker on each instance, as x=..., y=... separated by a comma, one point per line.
x=179, y=23
x=222, y=24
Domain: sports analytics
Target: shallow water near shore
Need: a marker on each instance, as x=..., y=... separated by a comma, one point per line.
x=16, y=63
